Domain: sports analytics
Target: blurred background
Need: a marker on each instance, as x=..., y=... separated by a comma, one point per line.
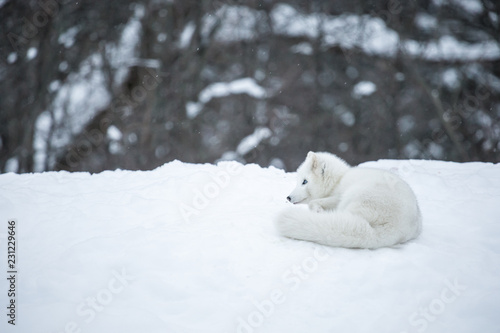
x=94, y=85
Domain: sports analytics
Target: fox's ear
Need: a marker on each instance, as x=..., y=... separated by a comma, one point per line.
x=314, y=160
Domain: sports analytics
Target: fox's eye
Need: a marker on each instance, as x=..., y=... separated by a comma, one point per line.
x=304, y=182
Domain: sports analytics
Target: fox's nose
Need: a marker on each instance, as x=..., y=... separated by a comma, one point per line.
x=288, y=198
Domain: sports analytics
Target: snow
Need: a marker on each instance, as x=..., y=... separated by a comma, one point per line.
x=364, y=88
x=193, y=109
x=12, y=57
x=451, y=78
x=290, y=22
x=494, y=18
x=63, y=66
x=367, y=33
x=302, y=48
x=232, y=23
x=12, y=165
x=240, y=86
x=85, y=91
x=348, y=31
x=474, y=7
x=450, y=49
x=250, y=142
x=348, y=118
x=54, y=85
x=477, y=73
x=186, y=35
x=425, y=21
x=79, y=99
x=192, y=248
x=161, y=37
x=31, y=53
x=222, y=89
x=122, y=55
x=345, y=115
x=378, y=39
x=406, y=123
x=43, y=127
x=113, y=133
x=343, y=147
x=67, y=38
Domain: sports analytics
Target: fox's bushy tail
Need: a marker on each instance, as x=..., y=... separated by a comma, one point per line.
x=335, y=228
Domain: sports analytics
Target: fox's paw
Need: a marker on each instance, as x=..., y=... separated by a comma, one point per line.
x=316, y=207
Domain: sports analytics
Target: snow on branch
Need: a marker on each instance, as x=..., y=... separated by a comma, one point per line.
x=222, y=89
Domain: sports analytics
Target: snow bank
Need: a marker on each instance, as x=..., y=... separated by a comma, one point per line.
x=192, y=248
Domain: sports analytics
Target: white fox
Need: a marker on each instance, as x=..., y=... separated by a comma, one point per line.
x=353, y=207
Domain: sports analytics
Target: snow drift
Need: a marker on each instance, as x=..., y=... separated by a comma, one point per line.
x=192, y=248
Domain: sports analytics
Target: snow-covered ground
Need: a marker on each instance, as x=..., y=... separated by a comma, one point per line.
x=192, y=248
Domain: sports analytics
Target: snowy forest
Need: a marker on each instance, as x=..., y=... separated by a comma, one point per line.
x=99, y=85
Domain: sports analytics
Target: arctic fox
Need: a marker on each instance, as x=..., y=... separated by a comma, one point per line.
x=352, y=207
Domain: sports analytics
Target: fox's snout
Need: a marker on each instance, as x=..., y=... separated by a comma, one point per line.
x=289, y=199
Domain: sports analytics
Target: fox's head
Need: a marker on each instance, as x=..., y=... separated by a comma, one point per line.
x=317, y=177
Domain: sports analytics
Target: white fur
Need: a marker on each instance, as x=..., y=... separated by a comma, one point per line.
x=352, y=207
